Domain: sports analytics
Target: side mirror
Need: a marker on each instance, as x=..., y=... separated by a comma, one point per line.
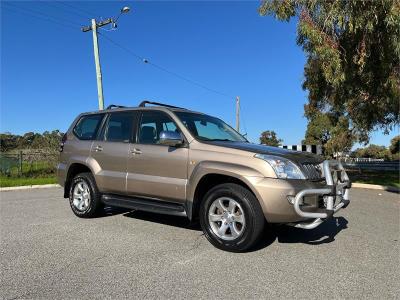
x=171, y=138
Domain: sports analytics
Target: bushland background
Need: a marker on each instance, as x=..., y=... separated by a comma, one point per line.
x=31, y=159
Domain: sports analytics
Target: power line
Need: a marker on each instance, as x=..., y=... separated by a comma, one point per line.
x=67, y=9
x=86, y=12
x=37, y=13
x=40, y=17
x=144, y=60
x=189, y=80
x=68, y=23
x=124, y=48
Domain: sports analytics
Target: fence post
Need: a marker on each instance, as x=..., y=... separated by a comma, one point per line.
x=20, y=163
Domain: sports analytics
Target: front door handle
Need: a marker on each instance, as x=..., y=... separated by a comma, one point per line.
x=136, y=151
x=98, y=148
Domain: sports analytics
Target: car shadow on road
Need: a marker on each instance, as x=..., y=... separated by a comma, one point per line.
x=163, y=219
x=112, y=211
x=324, y=233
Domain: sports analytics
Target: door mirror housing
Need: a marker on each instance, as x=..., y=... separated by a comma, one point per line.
x=171, y=138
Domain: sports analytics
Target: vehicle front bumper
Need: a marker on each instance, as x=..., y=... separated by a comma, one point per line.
x=302, y=203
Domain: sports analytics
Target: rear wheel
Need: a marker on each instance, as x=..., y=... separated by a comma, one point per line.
x=231, y=217
x=84, y=197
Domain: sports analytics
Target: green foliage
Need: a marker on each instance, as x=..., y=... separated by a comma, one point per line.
x=394, y=148
x=270, y=138
x=318, y=129
x=48, y=141
x=331, y=132
x=373, y=151
x=20, y=181
x=353, y=62
x=341, y=138
x=395, y=145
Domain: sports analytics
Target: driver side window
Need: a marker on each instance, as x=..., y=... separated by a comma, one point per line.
x=151, y=125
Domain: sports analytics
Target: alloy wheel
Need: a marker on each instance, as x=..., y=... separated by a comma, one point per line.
x=226, y=218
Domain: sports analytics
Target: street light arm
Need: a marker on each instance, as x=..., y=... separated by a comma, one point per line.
x=124, y=10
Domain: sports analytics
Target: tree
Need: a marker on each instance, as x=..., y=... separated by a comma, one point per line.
x=48, y=141
x=394, y=147
x=270, y=138
x=318, y=130
x=331, y=132
x=353, y=59
x=8, y=141
x=373, y=151
x=341, y=139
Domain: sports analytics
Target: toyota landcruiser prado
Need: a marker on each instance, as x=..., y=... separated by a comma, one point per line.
x=171, y=160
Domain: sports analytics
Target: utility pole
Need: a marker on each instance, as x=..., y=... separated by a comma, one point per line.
x=237, y=113
x=93, y=28
x=98, y=67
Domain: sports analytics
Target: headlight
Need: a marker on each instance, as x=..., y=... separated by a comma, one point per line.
x=283, y=167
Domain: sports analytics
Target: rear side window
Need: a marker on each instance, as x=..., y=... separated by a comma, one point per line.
x=119, y=127
x=87, y=126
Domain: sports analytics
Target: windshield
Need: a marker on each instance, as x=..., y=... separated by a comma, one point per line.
x=207, y=128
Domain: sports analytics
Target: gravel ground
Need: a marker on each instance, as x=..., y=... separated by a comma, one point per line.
x=47, y=252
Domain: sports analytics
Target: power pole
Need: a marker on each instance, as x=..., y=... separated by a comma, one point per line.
x=93, y=28
x=237, y=113
x=98, y=67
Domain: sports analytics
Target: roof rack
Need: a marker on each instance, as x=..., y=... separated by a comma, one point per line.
x=115, y=106
x=143, y=104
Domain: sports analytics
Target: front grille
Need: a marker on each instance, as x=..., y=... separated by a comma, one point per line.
x=312, y=171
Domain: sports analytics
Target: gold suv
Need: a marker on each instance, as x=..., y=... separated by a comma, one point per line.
x=169, y=160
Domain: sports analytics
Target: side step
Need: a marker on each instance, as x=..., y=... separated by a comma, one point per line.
x=150, y=205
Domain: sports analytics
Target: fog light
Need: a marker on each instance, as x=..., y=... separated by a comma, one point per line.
x=291, y=199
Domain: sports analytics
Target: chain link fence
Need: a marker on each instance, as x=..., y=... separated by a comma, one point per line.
x=28, y=163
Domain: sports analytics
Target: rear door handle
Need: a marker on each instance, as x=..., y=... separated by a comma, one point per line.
x=98, y=149
x=136, y=151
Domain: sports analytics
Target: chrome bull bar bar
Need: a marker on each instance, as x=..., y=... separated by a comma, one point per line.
x=337, y=186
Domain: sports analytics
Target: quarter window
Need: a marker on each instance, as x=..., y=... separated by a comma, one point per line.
x=119, y=127
x=87, y=127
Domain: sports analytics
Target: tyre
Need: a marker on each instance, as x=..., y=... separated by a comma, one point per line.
x=231, y=217
x=84, y=197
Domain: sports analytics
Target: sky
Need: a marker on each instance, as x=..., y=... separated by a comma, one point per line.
x=48, y=72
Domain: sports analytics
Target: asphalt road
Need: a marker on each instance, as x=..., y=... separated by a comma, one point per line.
x=47, y=252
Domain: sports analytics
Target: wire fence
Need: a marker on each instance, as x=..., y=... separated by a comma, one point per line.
x=28, y=163
x=370, y=164
x=361, y=160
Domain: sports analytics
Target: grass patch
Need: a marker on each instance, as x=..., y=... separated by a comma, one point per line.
x=20, y=181
x=386, y=178
x=33, y=169
x=35, y=173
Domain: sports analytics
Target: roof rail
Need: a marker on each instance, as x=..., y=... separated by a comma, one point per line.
x=115, y=106
x=143, y=104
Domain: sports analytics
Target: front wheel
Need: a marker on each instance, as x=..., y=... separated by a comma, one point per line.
x=231, y=217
